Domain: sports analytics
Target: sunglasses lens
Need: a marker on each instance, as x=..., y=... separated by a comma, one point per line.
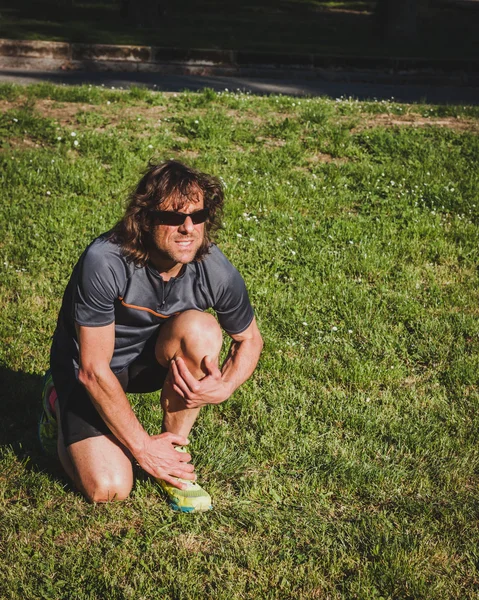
x=199, y=216
x=168, y=217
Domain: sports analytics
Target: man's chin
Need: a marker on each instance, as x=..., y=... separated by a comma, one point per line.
x=183, y=258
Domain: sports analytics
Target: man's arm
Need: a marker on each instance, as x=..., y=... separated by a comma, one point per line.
x=155, y=454
x=217, y=386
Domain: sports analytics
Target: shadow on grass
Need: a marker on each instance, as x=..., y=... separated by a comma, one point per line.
x=20, y=406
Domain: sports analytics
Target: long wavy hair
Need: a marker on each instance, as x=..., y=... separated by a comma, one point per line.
x=169, y=183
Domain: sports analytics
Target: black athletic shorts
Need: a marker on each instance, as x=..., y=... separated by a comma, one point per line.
x=79, y=417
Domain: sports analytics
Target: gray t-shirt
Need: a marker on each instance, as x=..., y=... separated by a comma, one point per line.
x=105, y=288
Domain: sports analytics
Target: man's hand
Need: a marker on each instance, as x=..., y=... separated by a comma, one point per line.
x=160, y=459
x=211, y=389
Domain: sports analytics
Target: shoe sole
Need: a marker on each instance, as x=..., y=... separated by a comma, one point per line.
x=190, y=509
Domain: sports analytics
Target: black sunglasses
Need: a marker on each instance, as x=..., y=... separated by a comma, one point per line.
x=169, y=217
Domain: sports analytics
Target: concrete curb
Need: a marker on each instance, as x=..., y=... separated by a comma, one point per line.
x=53, y=56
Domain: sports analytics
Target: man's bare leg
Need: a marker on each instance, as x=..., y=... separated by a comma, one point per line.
x=192, y=335
x=98, y=466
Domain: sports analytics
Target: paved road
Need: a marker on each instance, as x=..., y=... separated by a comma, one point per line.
x=297, y=86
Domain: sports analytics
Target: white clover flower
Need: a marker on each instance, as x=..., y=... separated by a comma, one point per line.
x=305, y=324
x=73, y=134
x=48, y=193
x=76, y=142
x=293, y=252
x=251, y=239
x=59, y=138
x=15, y=120
x=150, y=146
x=334, y=328
x=239, y=235
x=350, y=331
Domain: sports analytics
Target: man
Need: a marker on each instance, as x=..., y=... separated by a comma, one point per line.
x=133, y=320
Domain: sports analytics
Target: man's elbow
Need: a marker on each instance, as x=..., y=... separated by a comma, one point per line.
x=91, y=376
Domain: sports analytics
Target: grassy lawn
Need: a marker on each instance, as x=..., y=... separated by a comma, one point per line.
x=343, y=27
x=347, y=466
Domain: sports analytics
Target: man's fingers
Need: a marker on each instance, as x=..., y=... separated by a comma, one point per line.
x=185, y=374
x=175, y=482
x=192, y=404
x=179, y=391
x=174, y=438
x=211, y=366
x=178, y=380
x=183, y=470
x=183, y=474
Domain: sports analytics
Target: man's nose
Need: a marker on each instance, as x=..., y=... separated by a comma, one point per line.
x=187, y=226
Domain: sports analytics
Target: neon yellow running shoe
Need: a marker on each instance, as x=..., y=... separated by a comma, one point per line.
x=193, y=499
x=47, y=424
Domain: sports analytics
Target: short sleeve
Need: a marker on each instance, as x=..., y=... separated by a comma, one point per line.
x=101, y=279
x=232, y=305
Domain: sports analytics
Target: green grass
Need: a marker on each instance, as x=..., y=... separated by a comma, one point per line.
x=345, y=27
x=347, y=466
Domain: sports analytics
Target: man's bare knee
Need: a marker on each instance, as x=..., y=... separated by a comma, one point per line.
x=100, y=468
x=192, y=335
x=108, y=489
x=202, y=336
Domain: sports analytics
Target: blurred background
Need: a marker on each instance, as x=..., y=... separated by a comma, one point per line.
x=432, y=29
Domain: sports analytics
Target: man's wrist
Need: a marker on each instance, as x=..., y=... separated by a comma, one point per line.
x=230, y=388
x=138, y=446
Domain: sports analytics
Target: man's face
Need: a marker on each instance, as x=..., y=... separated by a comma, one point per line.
x=178, y=244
